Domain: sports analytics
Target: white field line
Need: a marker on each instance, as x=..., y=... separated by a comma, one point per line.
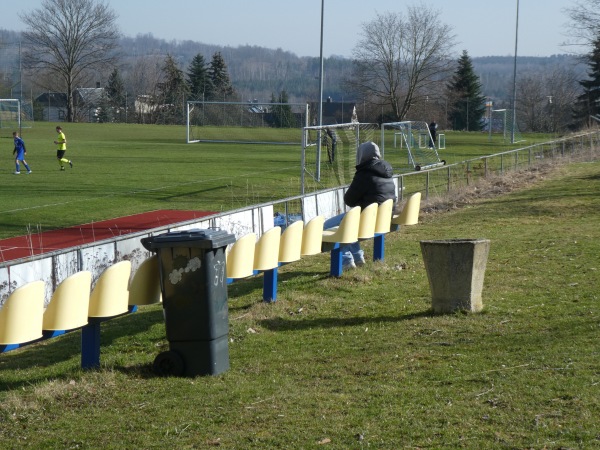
x=120, y=194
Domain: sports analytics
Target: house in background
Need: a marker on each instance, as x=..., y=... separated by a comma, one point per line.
x=333, y=112
x=53, y=106
x=87, y=103
x=145, y=106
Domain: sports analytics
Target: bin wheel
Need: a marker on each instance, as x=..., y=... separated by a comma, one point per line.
x=168, y=363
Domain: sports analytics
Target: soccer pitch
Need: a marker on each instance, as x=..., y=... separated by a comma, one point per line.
x=124, y=169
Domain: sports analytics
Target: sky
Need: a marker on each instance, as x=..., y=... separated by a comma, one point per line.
x=481, y=27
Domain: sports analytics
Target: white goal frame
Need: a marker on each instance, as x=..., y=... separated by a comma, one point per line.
x=508, y=123
x=247, y=109
x=416, y=137
x=16, y=123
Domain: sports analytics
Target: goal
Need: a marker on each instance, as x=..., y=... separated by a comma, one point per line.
x=14, y=115
x=329, y=153
x=246, y=122
x=503, y=124
x=414, y=136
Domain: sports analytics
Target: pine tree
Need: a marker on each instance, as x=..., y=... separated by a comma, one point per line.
x=219, y=77
x=282, y=114
x=198, y=81
x=588, y=103
x=105, y=111
x=467, y=105
x=117, y=98
x=172, y=93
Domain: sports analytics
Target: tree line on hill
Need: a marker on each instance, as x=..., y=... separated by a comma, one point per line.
x=154, y=78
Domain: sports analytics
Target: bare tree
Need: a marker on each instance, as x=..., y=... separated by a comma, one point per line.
x=400, y=60
x=532, y=100
x=584, y=21
x=143, y=81
x=69, y=38
x=546, y=101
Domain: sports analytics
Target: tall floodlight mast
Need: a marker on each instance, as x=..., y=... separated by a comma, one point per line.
x=514, y=117
x=318, y=169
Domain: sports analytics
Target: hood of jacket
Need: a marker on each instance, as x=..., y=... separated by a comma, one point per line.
x=367, y=151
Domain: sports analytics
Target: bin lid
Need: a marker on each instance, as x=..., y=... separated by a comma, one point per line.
x=198, y=238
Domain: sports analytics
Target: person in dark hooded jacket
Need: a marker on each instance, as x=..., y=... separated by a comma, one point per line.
x=372, y=183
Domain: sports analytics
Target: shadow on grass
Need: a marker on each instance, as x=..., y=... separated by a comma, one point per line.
x=49, y=354
x=253, y=286
x=53, y=351
x=143, y=371
x=595, y=177
x=196, y=192
x=280, y=324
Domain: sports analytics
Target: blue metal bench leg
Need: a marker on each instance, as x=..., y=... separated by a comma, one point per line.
x=8, y=347
x=336, y=261
x=379, y=247
x=90, y=345
x=270, y=285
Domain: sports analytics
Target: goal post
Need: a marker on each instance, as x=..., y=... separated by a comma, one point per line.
x=246, y=122
x=15, y=115
x=503, y=124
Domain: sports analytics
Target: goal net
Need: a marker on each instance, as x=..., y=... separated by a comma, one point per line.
x=329, y=153
x=504, y=125
x=14, y=114
x=246, y=122
x=414, y=138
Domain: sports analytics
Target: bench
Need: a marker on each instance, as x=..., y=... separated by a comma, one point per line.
x=248, y=257
x=375, y=222
x=24, y=321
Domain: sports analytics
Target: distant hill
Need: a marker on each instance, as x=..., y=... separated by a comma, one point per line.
x=496, y=72
x=258, y=72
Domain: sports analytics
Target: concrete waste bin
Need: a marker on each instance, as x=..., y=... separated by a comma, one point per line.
x=193, y=282
x=455, y=270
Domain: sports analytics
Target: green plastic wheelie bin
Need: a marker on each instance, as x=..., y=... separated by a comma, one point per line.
x=193, y=282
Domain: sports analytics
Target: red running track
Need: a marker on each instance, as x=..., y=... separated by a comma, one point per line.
x=49, y=241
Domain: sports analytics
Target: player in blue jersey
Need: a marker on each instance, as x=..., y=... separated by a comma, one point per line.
x=20, y=151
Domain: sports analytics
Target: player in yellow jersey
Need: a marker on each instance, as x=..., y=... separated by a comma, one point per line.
x=61, y=142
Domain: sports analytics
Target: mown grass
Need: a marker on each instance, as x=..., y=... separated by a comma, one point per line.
x=359, y=361
x=122, y=169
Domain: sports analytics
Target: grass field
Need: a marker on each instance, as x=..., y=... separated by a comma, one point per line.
x=126, y=169
x=359, y=362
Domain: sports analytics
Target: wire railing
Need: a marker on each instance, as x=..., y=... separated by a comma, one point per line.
x=445, y=179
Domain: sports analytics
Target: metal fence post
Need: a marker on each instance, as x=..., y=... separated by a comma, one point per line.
x=401, y=188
